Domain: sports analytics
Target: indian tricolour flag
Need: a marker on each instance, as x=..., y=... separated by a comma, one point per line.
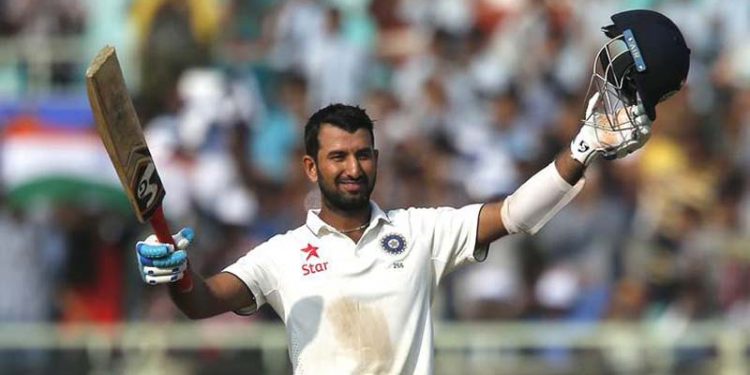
x=42, y=164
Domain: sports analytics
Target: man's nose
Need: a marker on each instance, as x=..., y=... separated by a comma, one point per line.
x=353, y=168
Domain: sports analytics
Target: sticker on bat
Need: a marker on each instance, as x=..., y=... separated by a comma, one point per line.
x=147, y=187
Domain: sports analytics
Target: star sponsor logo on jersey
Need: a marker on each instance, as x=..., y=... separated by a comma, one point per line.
x=309, y=267
x=311, y=251
x=393, y=243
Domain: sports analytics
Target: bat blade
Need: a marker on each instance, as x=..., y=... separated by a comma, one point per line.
x=122, y=135
x=120, y=130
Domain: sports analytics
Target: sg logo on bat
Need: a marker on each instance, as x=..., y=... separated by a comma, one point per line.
x=147, y=186
x=147, y=189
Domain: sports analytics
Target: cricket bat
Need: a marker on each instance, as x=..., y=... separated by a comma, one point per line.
x=122, y=135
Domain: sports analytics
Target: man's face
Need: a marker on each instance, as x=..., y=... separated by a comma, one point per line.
x=345, y=168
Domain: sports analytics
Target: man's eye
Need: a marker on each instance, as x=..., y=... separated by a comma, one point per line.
x=364, y=155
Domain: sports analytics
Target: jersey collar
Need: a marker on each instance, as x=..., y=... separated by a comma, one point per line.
x=318, y=226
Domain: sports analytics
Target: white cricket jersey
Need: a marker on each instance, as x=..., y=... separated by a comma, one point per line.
x=361, y=308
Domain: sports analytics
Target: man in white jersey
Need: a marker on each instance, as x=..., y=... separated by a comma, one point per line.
x=354, y=284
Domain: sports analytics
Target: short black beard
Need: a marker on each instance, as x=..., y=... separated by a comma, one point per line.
x=339, y=202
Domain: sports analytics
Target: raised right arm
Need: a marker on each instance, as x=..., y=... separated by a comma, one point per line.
x=160, y=263
x=216, y=295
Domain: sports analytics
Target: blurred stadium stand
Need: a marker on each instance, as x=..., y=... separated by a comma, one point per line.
x=647, y=271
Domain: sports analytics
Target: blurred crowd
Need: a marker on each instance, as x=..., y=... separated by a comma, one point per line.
x=470, y=98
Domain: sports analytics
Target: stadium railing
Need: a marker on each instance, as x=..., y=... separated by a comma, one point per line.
x=492, y=348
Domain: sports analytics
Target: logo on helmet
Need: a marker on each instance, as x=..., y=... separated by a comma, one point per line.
x=635, y=52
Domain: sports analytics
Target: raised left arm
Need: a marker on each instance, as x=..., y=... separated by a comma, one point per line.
x=543, y=191
x=540, y=198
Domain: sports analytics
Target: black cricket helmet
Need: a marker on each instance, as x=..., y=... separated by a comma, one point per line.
x=646, y=58
x=644, y=62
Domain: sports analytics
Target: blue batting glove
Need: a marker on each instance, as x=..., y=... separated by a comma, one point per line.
x=158, y=262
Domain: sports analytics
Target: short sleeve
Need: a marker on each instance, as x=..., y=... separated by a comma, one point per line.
x=255, y=269
x=453, y=236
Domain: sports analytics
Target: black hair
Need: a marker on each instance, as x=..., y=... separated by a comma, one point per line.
x=343, y=116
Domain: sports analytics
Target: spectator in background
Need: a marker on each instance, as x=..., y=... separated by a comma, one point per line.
x=296, y=26
x=679, y=174
x=276, y=137
x=29, y=279
x=245, y=35
x=39, y=25
x=334, y=66
x=174, y=35
x=494, y=171
x=95, y=280
x=30, y=268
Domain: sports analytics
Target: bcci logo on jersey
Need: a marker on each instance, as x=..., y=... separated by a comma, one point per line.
x=393, y=243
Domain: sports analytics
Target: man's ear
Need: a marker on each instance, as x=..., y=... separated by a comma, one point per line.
x=311, y=169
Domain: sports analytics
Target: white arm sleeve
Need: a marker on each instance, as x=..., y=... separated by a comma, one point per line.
x=535, y=202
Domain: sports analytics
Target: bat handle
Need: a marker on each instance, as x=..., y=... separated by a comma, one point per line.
x=161, y=229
